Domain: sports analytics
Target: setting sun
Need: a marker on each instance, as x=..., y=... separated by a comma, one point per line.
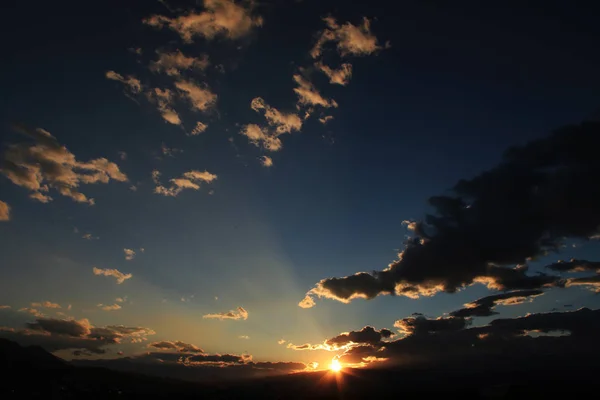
x=335, y=366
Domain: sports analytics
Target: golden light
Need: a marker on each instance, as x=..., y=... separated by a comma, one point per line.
x=335, y=366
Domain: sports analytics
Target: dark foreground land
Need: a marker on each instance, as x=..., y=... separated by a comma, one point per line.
x=31, y=372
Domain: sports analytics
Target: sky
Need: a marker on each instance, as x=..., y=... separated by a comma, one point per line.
x=180, y=175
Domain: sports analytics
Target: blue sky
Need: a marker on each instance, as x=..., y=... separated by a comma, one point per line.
x=452, y=90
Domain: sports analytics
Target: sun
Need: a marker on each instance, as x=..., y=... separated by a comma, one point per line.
x=335, y=366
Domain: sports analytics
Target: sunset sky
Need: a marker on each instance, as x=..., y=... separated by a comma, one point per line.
x=179, y=175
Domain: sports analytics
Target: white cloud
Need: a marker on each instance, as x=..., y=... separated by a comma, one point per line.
x=266, y=161
x=308, y=95
x=201, y=98
x=189, y=180
x=46, y=164
x=107, y=307
x=240, y=313
x=131, y=82
x=283, y=122
x=129, y=254
x=199, y=128
x=175, y=62
x=350, y=39
x=221, y=18
x=4, y=211
x=339, y=76
x=115, y=273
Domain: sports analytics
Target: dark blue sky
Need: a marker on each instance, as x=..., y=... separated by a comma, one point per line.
x=458, y=85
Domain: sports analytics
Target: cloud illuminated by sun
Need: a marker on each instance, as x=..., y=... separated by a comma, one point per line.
x=335, y=366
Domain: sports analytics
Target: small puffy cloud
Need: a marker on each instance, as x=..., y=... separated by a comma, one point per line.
x=266, y=161
x=109, y=307
x=163, y=99
x=282, y=122
x=4, y=211
x=349, y=39
x=131, y=82
x=199, y=128
x=261, y=137
x=224, y=18
x=115, y=273
x=32, y=311
x=340, y=76
x=175, y=62
x=308, y=95
x=121, y=299
x=239, y=313
x=89, y=236
x=129, y=254
x=176, y=345
x=45, y=164
x=245, y=337
x=410, y=225
x=46, y=304
x=200, y=98
x=281, y=341
x=307, y=302
x=325, y=119
x=189, y=180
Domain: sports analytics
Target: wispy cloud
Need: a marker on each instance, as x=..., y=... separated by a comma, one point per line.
x=115, y=273
x=32, y=311
x=325, y=119
x=199, y=128
x=340, y=76
x=282, y=122
x=132, y=83
x=221, y=18
x=308, y=95
x=350, y=39
x=245, y=337
x=45, y=164
x=163, y=99
x=239, y=313
x=4, y=211
x=200, y=97
x=261, y=137
x=107, y=307
x=129, y=254
x=89, y=236
x=46, y=304
x=189, y=180
x=174, y=63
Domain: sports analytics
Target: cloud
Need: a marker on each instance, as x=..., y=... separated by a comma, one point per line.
x=46, y=304
x=239, y=313
x=422, y=325
x=175, y=62
x=163, y=99
x=189, y=180
x=69, y=334
x=122, y=155
x=129, y=254
x=4, y=211
x=169, y=151
x=118, y=275
x=308, y=95
x=200, y=98
x=108, y=307
x=367, y=335
x=45, y=164
x=89, y=236
x=472, y=237
x=3, y=307
x=261, y=137
x=282, y=122
x=222, y=18
x=349, y=39
x=575, y=265
x=266, y=161
x=307, y=302
x=325, y=119
x=246, y=337
x=339, y=76
x=199, y=128
x=592, y=282
x=484, y=307
x=131, y=82
x=176, y=345
x=32, y=311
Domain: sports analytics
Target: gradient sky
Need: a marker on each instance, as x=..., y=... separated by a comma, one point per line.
x=437, y=92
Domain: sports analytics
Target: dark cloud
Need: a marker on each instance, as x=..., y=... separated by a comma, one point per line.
x=422, y=325
x=484, y=307
x=368, y=334
x=176, y=345
x=225, y=358
x=508, y=337
x=540, y=194
x=592, y=282
x=575, y=266
x=68, y=327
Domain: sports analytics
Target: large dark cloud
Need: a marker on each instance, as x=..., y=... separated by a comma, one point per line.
x=368, y=335
x=540, y=194
x=563, y=333
x=575, y=265
x=484, y=307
